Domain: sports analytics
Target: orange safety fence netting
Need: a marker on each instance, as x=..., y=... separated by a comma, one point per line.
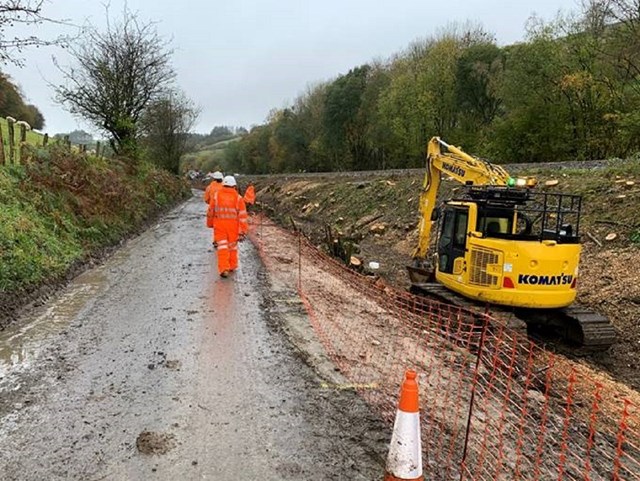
x=494, y=405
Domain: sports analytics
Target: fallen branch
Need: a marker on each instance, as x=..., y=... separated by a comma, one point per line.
x=293, y=224
x=594, y=239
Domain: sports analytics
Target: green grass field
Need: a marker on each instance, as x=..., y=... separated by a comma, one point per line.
x=208, y=157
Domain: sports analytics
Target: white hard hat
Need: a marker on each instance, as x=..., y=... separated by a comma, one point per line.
x=229, y=181
x=217, y=175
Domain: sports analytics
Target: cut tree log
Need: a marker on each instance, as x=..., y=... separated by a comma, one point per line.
x=552, y=182
x=355, y=262
x=611, y=236
x=367, y=219
x=378, y=228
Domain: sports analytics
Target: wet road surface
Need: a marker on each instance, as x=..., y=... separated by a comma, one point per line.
x=153, y=342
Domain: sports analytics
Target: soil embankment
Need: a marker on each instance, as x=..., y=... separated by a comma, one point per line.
x=375, y=216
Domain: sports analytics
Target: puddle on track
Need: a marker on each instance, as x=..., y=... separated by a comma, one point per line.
x=21, y=342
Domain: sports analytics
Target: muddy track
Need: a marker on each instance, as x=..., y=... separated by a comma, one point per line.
x=153, y=367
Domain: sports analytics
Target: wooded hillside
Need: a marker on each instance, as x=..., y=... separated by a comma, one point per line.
x=569, y=92
x=12, y=104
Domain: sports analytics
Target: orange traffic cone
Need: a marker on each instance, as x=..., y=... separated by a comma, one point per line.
x=405, y=453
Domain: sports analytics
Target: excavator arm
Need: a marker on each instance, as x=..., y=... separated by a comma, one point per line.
x=468, y=170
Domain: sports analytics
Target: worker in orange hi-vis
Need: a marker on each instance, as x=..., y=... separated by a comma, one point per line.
x=229, y=224
x=250, y=195
x=215, y=185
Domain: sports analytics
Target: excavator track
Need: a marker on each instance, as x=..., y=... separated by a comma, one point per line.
x=576, y=325
x=596, y=331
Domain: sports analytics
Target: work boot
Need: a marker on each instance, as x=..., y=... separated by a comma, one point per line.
x=224, y=274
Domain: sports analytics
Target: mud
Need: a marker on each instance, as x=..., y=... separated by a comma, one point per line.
x=155, y=443
x=153, y=341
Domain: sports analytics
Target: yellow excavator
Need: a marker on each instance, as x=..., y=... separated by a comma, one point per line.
x=501, y=242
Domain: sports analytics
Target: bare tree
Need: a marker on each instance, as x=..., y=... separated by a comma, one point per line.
x=118, y=73
x=166, y=125
x=23, y=12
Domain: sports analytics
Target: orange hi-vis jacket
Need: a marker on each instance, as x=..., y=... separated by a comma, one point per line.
x=229, y=221
x=208, y=196
x=229, y=211
x=250, y=195
x=213, y=186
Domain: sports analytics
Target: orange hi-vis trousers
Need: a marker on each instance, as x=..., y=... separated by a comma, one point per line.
x=226, y=236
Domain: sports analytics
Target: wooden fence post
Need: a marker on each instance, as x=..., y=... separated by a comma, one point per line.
x=45, y=140
x=23, y=142
x=12, y=142
x=98, y=149
x=67, y=142
x=2, y=160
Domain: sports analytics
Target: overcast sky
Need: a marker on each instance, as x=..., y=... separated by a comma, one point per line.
x=238, y=59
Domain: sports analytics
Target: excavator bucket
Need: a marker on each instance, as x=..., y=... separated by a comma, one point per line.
x=421, y=275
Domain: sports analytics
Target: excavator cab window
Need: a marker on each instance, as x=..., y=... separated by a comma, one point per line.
x=453, y=237
x=494, y=222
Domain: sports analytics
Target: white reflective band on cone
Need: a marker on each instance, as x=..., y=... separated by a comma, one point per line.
x=405, y=453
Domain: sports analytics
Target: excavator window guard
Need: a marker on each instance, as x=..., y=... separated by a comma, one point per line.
x=519, y=214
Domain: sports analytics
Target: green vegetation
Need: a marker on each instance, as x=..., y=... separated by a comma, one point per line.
x=208, y=157
x=208, y=152
x=62, y=206
x=569, y=92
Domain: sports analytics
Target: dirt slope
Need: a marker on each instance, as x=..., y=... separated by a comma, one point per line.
x=376, y=215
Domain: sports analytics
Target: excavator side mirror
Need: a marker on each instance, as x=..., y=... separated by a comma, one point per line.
x=435, y=214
